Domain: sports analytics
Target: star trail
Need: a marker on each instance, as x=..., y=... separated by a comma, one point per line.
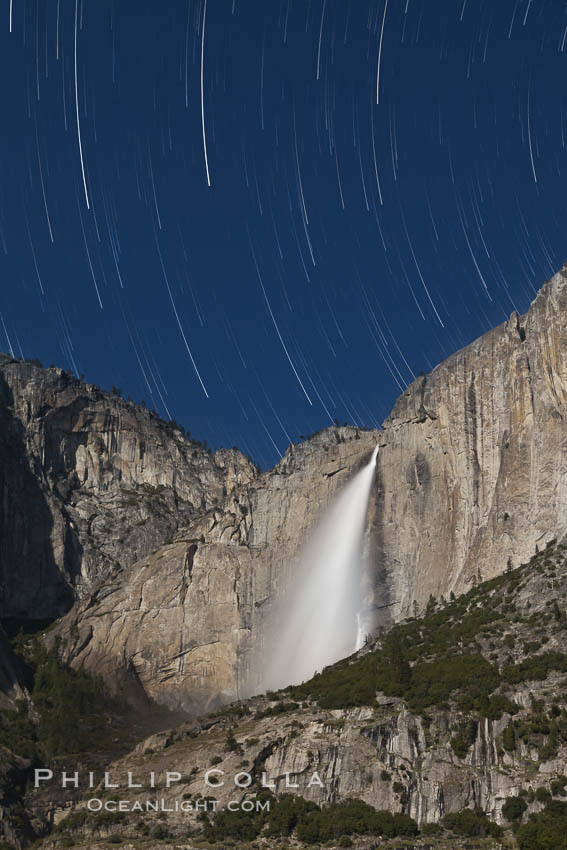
x=262, y=217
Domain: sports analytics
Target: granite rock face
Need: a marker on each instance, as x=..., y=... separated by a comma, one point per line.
x=174, y=557
x=382, y=755
x=89, y=482
x=188, y=620
x=474, y=465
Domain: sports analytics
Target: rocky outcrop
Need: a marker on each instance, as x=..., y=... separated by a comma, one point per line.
x=89, y=482
x=382, y=755
x=473, y=470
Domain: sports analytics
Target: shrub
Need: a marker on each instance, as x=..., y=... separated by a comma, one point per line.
x=433, y=682
x=545, y=830
x=160, y=832
x=465, y=738
x=542, y=794
x=352, y=817
x=286, y=813
x=558, y=787
x=274, y=710
x=535, y=668
x=431, y=829
x=498, y=704
x=104, y=819
x=509, y=738
x=232, y=744
x=514, y=808
x=471, y=822
x=292, y=815
x=17, y=732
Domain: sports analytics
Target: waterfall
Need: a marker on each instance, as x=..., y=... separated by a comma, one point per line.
x=320, y=617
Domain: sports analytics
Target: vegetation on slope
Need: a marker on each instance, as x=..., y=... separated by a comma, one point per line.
x=468, y=656
x=546, y=830
x=292, y=815
x=71, y=712
x=71, y=722
x=446, y=655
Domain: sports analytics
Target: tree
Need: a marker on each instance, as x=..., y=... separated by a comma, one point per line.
x=509, y=738
x=514, y=808
x=431, y=605
x=399, y=666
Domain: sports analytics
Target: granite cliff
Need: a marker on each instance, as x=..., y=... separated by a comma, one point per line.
x=89, y=483
x=474, y=468
x=166, y=558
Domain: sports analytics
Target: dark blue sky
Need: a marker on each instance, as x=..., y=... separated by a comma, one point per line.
x=343, y=244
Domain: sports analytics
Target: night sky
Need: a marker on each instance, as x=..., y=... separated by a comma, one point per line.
x=262, y=215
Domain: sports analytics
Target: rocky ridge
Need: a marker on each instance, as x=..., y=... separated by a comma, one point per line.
x=89, y=482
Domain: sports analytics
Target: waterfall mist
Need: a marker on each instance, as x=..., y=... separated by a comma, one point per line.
x=320, y=618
